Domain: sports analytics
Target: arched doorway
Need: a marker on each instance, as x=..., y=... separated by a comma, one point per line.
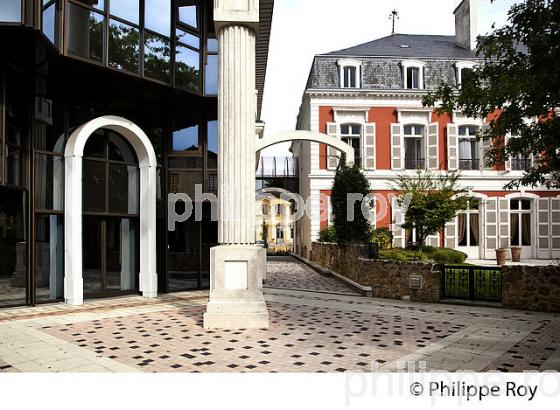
x=111, y=215
x=101, y=221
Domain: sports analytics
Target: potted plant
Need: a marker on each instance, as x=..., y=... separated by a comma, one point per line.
x=501, y=256
x=516, y=253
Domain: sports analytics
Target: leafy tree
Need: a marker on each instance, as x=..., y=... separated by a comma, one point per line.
x=434, y=201
x=519, y=80
x=349, y=181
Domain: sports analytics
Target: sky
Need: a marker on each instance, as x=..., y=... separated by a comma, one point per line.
x=302, y=29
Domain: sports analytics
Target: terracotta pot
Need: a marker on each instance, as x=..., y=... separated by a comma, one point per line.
x=501, y=256
x=516, y=253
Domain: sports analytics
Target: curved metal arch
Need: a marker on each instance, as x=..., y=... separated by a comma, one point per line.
x=307, y=136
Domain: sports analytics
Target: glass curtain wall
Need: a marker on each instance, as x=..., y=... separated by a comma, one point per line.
x=14, y=221
x=163, y=40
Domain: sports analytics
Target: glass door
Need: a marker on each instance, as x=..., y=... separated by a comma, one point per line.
x=110, y=256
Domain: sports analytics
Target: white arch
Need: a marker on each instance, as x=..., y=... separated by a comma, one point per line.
x=73, y=277
x=307, y=136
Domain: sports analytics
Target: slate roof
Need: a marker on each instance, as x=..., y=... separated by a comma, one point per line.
x=420, y=46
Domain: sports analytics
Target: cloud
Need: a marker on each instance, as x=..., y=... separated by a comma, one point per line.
x=303, y=28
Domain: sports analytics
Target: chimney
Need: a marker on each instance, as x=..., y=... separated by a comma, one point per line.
x=465, y=24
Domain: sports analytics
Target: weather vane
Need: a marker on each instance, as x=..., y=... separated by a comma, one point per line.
x=395, y=16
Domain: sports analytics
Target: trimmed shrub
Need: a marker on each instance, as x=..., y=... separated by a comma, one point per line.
x=327, y=235
x=428, y=253
x=449, y=256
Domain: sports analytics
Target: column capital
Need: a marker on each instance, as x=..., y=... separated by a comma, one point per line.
x=236, y=12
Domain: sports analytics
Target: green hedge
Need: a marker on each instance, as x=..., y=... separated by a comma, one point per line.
x=426, y=254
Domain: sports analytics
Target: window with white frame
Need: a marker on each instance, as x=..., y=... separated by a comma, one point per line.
x=462, y=71
x=520, y=222
x=279, y=233
x=352, y=134
x=468, y=225
x=469, y=149
x=413, y=74
x=414, y=157
x=350, y=73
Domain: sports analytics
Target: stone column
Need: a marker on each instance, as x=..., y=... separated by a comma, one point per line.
x=237, y=264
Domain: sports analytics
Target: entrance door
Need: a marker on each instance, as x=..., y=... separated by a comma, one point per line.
x=110, y=256
x=469, y=231
x=521, y=225
x=110, y=230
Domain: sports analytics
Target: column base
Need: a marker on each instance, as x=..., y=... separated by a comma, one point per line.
x=236, y=297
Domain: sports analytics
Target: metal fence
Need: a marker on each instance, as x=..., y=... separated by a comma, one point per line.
x=475, y=283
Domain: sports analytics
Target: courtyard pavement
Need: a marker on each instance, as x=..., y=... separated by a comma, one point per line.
x=316, y=325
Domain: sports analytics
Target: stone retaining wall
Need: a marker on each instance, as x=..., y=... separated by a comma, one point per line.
x=531, y=288
x=523, y=287
x=388, y=279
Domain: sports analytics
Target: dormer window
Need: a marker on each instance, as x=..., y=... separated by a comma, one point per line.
x=349, y=77
x=350, y=73
x=462, y=70
x=413, y=74
x=413, y=78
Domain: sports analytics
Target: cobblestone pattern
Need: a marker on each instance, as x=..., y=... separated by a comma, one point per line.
x=289, y=273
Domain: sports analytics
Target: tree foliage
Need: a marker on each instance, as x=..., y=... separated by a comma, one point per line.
x=519, y=79
x=434, y=201
x=356, y=230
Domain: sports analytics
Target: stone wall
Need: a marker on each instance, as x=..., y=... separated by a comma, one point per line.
x=534, y=288
x=531, y=288
x=388, y=279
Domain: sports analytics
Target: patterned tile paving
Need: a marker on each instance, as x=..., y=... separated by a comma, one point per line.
x=531, y=352
x=301, y=338
x=289, y=273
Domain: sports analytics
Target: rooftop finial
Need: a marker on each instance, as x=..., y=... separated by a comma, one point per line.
x=394, y=16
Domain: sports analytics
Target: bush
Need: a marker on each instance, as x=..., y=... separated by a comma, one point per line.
x=349, y=180
x=428, y=253
x=383, y=237
x=449, y=256
x=327, y=235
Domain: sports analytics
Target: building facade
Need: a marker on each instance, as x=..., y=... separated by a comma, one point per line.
x=64, y=63
x=370, y=96
x=275, y=223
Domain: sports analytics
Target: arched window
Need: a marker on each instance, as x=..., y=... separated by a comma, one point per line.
x=350, y=73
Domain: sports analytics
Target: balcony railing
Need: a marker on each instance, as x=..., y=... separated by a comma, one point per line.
x=469, y=164
x=278, y=167
x=520, y=164
x=414, y=163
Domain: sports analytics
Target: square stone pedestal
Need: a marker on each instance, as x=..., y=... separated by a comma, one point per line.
x=236, y=297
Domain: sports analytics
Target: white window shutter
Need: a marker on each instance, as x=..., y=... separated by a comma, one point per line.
x=543, y=228
x=333, y=154
x=504, y=223
x=485, y=147
x=369, y=146
x=452, y=147
x=491, y=227
x=397, y=144
x=507, y=161
x=397, y=221
x=433, y=241
x=432, y=161
x=555, y=227
x=451, y=234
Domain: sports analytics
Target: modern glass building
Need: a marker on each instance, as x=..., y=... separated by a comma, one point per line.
x=66, y=62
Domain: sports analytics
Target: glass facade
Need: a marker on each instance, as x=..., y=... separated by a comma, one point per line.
x=143, y=60
x=10, y=11
x=172, y=42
